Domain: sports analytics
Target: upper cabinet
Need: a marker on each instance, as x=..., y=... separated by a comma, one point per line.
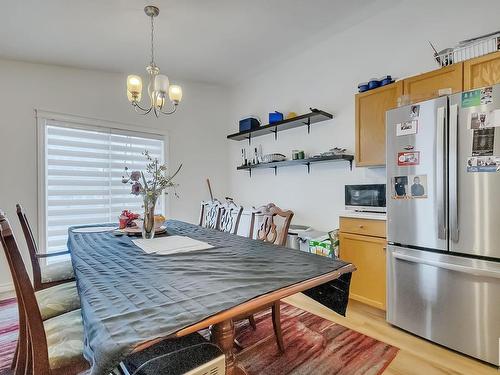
x=372, y=105
x=482, y=71
x=370, y=123
x=426, y=86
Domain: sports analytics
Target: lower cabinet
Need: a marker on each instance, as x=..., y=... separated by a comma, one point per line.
x=367, y=253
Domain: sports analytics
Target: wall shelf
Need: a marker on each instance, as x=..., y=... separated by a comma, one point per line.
x=288, y=163
x=308, y=119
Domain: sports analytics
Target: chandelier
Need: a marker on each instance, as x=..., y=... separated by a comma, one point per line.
x=159, y=85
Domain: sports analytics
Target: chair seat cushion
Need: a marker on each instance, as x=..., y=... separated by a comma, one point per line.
x=57, y=271
x=58, y=300
x=65, y=339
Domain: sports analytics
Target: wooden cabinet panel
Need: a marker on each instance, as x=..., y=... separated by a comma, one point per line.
x=426, y=86
x=368, y=255
x=482, y=71
x=365, y=227
x=370, y=123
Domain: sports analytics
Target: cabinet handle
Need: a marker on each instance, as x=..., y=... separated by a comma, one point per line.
x=361, y=226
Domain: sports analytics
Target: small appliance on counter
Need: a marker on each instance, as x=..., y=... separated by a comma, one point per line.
x=366, y=198
x=249, y=123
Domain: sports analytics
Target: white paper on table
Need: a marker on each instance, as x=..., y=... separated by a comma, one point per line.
x=171, y=245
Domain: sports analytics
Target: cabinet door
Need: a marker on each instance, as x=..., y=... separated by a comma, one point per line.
x=368, y=255
x=482, y=71
x=426, y=86
x=370, y=123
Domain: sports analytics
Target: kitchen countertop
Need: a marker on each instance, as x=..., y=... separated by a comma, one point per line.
x=364, y=215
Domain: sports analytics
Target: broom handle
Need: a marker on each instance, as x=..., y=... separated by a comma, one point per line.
x=210, y=189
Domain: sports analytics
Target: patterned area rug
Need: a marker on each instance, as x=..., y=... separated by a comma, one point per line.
x=8, y=333
x=313, y=345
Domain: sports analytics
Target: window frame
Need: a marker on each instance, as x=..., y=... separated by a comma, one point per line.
x=43, y=119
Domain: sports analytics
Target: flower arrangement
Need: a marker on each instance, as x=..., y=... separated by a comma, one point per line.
x=150, y=184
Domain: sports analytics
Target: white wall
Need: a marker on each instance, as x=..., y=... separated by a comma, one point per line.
x=326, y=77
x=196, y=132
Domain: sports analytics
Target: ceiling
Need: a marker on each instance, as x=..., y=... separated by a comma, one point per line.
x=217, y=41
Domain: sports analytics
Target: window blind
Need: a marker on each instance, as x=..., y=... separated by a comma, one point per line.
x=83, y=173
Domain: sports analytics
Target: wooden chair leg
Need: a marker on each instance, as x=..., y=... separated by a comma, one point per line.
x=16, y=354
x=277, y=325
x=21, y=356
x=251, y=319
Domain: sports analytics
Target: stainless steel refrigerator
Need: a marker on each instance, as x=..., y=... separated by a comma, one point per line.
x=443, y=215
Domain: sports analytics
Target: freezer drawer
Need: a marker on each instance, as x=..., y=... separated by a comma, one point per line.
x=453, y=301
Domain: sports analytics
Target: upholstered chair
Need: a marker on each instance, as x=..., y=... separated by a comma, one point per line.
x=45, y=274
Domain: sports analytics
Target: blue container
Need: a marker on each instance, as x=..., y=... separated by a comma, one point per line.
x=362, y=87
x=275, y=117
x=373, y=83
x=249, y=123
x=386, y=80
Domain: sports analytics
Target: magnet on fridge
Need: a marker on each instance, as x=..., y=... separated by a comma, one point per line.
x=407, y=128
x=408, y=158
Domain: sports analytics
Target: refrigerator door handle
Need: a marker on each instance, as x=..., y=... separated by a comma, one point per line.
x=453, y=173
x=440, y=172
x=448, y=266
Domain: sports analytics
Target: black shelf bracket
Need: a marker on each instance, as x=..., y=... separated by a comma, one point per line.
x=249, y=139
x=308, y=167
x=350, y=164
x=275, y=171
x=275, y=131
x=308, y=124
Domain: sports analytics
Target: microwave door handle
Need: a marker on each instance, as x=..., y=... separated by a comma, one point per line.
x=453, y=157
x=440, y=172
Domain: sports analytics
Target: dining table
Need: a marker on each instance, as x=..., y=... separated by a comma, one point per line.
x=132, y=299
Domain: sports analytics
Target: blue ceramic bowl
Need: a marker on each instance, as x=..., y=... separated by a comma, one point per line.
x=373, y=83
x=386, y=80
x=362, y=87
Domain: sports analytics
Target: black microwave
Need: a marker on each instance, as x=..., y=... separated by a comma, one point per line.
x=365, y=197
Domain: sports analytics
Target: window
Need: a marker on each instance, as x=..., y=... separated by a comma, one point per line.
x=81, y=172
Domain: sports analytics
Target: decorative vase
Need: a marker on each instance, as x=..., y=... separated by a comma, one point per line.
x=148, y=225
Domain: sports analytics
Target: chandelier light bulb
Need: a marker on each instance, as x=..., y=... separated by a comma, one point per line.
x=161, y=83
x=134, y=87
x=175, y=94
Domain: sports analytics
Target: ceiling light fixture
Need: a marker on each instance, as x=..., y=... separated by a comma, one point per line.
x=159, y=85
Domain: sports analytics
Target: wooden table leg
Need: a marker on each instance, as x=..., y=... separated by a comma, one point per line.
x=223, y=337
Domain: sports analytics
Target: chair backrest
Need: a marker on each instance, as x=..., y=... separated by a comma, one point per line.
x=210, y=214
x=230, y=216
x=26, y=297
x=269, y=229
x=32, y=247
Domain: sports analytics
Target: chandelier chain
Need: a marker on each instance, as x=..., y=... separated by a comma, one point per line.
x=152, y=42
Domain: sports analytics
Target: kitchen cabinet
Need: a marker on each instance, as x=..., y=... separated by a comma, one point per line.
x=426, y=86
x=482, y=71
x=363, y=243
x=370, y=123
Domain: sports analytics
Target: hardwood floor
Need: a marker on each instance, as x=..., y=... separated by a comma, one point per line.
x=416, y=356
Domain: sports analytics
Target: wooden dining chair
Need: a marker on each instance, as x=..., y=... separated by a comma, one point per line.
x=269, y=230
x=230, y=216
x=210, y=214
x=44, y=275
x=50, y=347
